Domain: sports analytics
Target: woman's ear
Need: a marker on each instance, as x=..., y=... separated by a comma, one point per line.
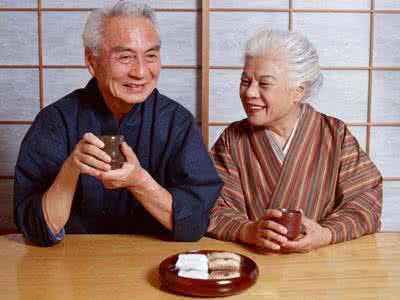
x=299, y=92
x=90, y=61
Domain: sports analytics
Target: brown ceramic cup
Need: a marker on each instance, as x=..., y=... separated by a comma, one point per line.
x=291, y=219
x=112, y=145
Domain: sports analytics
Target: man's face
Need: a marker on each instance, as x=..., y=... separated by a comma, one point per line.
x=128, y=65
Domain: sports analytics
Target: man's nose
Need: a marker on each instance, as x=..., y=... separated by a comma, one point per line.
x=138, y=68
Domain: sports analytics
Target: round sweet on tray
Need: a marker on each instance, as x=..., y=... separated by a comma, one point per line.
x=218, y=280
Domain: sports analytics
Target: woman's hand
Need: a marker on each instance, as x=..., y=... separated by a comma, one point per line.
x=265, y=233
x=315, y=237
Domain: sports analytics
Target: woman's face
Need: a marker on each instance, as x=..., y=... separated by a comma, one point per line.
x=265, y=93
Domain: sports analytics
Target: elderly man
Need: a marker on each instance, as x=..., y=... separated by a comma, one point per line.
x=63, y=178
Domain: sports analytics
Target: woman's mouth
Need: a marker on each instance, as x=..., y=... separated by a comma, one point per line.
x=253, y=108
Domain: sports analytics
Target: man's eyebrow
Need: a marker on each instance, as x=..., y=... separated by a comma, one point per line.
x=155, y=48
x=121, y=49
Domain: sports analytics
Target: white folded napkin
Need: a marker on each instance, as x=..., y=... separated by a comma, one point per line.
x=197, y=262
x=192, y=266
x=193, y=274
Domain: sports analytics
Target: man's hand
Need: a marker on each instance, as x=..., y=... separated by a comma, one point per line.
x=315, y=237
x=87, y=156
x=129, y=175
x=265, y=233
x=154, y=198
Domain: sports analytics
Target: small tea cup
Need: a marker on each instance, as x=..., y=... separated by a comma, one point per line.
x=112, y=145
x=291, y=219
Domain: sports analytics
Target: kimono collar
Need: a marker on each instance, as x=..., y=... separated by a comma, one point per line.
x=100, y=108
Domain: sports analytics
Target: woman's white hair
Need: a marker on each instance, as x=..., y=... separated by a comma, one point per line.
x=92, y=33
x=302, y=57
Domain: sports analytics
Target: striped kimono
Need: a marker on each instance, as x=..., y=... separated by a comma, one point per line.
x=325, y=173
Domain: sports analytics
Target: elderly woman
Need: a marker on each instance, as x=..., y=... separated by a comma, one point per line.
x=288, y=155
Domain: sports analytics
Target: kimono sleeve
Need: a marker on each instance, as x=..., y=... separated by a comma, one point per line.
x=194, y=184
x=229, y=213
x=358, y=199
x=42, y=152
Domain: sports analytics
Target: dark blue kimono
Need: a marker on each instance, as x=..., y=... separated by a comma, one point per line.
x=167, y=142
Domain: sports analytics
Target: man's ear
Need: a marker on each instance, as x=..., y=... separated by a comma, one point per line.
x=300, y=92
x=90, y=61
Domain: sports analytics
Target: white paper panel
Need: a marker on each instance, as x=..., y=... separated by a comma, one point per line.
x=386, y=96
x=391, y=206
x=60, y=82
x=387, y=4
x=332, y=4
x=385, y=145
x=387, y=40
x=349, y=102
x=224, y=100
x=360, y=133
x=102, y=3
x=6, y=205
x=180, y=36
x=19, y=94
x=182, y=86
x=229, y=32
x=18, y=38
x=342, y=39
x=62, y=42
x=18, y=4
x=213, y=134
x=344, y=95
x=249, y=4
x=10, y=139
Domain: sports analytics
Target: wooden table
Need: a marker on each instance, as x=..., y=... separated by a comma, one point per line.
x=126, y=267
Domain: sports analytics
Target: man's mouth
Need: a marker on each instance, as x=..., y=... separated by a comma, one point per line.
x=135, y=87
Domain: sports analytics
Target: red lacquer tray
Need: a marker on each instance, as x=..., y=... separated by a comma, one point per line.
x=209, y=287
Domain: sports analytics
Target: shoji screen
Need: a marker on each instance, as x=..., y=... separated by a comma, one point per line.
x=359, y=46
x=41, y=59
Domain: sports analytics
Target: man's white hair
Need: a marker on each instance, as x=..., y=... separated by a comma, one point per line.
x=92, y=33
